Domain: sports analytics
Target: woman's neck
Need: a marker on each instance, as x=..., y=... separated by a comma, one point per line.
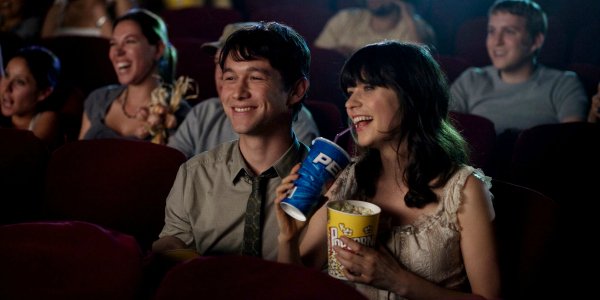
x=22, y=121
x=140, y=94
x=391, y=163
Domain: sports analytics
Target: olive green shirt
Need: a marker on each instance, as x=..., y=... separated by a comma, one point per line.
x=207, y=203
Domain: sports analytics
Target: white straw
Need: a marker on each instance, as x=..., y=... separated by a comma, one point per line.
x=337, y=136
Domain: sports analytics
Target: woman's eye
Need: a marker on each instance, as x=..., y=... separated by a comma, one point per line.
x=369, y=87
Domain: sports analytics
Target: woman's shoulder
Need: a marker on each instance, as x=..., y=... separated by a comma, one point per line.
x=104, y=94
x=465, y=182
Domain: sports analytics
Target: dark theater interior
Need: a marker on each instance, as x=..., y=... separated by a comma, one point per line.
x=78, y=215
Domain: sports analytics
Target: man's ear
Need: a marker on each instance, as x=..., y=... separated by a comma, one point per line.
x=298, y=91
x=538, y=41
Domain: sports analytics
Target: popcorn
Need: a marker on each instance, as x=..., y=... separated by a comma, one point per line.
x=163, y=107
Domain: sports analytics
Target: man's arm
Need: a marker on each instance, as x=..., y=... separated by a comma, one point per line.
x=177, y=232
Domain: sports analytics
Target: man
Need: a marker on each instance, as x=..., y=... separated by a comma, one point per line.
x=516, y=92
x=207, y=126
x=352, y=28
x=264, y=80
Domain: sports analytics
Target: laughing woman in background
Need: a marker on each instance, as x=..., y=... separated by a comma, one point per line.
x=29, y=80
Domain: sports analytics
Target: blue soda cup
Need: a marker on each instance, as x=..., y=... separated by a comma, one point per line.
x=324, y=162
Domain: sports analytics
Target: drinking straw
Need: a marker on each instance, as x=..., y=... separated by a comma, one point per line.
x=337, y=136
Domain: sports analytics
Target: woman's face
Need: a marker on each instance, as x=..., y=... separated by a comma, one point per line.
x=374, y=112
x=18, y=90
x=133, y=58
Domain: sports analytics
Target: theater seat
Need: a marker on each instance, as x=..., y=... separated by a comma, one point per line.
x=526, y=229
x=479, y=133
x=67, y=260
x=245, y=277
x=23, y=161
x=119, y=184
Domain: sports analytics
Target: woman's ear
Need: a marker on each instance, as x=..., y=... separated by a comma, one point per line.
x=298, y=91
x=160, y=50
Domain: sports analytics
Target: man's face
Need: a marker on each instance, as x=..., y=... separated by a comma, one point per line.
x=253, y=96
x=218, y=72
x=508, y=42
x=382, y=7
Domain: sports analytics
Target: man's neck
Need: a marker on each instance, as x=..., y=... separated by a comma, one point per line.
x=517, y=75
x=261, y=152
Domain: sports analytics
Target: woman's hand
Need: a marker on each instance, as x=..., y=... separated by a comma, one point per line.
x=594, y=115
x=289, y=228
x=159, y=119
x=363, y=264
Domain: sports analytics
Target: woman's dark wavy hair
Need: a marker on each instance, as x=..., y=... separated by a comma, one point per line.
x=43, y=65
x=155, y=30
x=45, y=70
x=435, y=148
x=284, y=48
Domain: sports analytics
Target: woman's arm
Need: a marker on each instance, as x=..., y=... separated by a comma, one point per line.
x=46, y=127
x=85, y=126
x=53, y=18
x=478, y=243
x=122, y=6
x=300, y=242
x=594, y=113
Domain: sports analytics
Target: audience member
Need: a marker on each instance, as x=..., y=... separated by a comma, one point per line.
x=144, y=61
x=30, y=78
x=84, y=17
x=436, y=238
x=179, y=4
x=18, y=17
x=265, y=78
x=207, y=126
x=594, y=114
x=354, y=27
x=517, y=92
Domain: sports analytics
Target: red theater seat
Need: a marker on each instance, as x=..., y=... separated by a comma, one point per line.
x=119, y=184
x=245, y=277
x=68, y=260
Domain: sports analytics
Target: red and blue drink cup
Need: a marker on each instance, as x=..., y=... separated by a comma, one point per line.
x=324, y=162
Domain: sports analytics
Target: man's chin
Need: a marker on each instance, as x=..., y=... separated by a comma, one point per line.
x=385, y=10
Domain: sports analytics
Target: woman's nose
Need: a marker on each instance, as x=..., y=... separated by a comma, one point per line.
x=5, y=85
x=352, y=102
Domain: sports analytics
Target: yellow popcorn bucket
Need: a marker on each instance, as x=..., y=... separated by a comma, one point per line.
x=355, y=219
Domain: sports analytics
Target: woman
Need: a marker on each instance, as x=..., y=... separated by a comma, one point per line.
x=30, y=78
x=144, y=61
x=436, y=238
x=83, y=17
